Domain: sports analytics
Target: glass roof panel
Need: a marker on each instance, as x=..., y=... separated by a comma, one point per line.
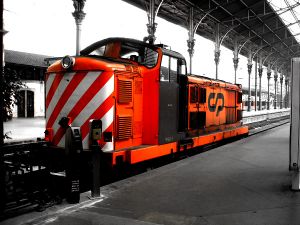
x=295, y=29
x=289, y=12
x=287, y=17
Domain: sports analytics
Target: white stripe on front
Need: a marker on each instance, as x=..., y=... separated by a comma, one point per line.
x=95, y=103
x=49, y=82
x=67, y=77
x=108, y=147
x=106, y=120
x=75, y=97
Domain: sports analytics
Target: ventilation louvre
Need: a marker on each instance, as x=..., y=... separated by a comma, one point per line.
x=239, y=115
x=124, y=91
x=124, y=127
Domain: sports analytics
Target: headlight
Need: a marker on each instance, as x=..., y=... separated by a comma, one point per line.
x=67, y=62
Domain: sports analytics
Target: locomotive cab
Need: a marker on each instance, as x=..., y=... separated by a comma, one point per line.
x=172, y=72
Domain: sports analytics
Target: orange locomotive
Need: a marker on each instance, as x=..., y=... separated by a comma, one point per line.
x=148, y=106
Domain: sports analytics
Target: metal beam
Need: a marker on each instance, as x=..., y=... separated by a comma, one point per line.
x=264, y=24
x=247, y=27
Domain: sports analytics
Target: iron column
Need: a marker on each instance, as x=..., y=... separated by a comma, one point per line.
x=191, y=40
x=249, y=86
x=268, y=77
x=260, y=70
x=151, y=26
x=281, y=82
x=275, y=81
x=235, y=57
x=255, y=86
x=79, y=16
x=286, y=91
x=2, y=172
x=217, y=48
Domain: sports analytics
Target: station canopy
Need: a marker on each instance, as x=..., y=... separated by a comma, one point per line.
x=270, y=27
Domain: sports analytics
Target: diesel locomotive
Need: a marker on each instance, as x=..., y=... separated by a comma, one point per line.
x=146, y=104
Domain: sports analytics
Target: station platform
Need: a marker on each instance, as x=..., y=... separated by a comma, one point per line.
x=244, y=182
x=24, y=129
x=29, y=129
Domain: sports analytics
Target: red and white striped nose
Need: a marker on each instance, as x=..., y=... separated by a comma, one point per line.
x=80, y=96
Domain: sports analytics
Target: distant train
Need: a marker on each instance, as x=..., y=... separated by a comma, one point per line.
x=145, y=103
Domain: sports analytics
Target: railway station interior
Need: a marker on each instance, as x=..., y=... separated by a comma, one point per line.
x=150, y=112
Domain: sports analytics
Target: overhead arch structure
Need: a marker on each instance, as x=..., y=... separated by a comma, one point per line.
x=253, y=21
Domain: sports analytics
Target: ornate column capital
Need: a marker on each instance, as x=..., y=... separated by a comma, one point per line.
x=151, y=29
x=249, y=65
x=78, y=13
x=191, y=45
x=217, y=56
x=79, y=16
x=235, y=62
x=275, y=77
x=260, y=70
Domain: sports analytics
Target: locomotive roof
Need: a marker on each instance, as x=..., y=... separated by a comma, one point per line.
x=103, y=42
x=137, y=43
x=172, y=53
x=203, y=79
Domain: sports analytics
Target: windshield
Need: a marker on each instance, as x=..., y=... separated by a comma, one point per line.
x=127, y=51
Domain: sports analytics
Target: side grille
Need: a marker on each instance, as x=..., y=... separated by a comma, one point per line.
x=124, y=91
x=230, y=115
x=239, y=115
x=124, y=127
x=197, y=120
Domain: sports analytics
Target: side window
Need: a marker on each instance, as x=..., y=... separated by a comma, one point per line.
x=170, y=68
x=181, y=67
x=202, y=95
x=99, y=51
x=173, y=69
x=194, y=95
x=239, y=97
x=164, y=69
x=150, y=57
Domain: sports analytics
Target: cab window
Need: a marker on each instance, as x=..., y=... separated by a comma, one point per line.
x=181, y=67
x=129, y=51
x=164, y=69
x=173, y=69
x=170, y=68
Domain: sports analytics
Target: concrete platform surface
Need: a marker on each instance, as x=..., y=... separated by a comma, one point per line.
x=24, y=129
x=244, y=183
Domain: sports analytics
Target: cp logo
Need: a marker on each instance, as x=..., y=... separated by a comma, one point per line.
x=213, y=107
